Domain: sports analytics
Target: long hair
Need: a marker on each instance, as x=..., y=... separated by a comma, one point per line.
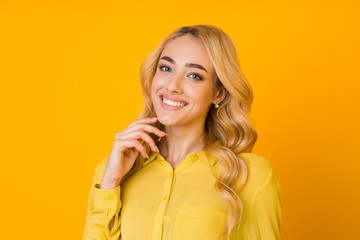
x=228, y=124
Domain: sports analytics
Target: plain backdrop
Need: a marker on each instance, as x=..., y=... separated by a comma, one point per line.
x=69, y=73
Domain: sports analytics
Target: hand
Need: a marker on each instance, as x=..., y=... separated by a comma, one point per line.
x=126, y=148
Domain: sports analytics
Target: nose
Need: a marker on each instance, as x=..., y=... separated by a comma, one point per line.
x=175, y=83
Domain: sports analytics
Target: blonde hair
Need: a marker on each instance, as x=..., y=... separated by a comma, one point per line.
x=229, y=124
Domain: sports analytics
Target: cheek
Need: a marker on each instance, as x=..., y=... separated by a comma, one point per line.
x=201, y=96
x=204, y=100
x=155, y=86
x=156, y=80
x=152, y=92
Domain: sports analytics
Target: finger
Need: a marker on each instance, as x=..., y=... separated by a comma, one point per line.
x=149, y=129
x=143, y=120
x=139, y=134
x=141, y=149
x=131, y=152
x=137, y=145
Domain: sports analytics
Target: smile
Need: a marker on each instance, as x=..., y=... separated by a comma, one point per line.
x=172, y=103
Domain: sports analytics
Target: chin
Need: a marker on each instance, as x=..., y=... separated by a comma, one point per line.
x=167, y=120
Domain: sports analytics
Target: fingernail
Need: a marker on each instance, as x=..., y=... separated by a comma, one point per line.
x=154, y=118
x=163, y=132
x=157, y=149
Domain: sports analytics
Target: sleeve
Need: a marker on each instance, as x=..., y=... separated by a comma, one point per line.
x=265, y=211
x=103, y=206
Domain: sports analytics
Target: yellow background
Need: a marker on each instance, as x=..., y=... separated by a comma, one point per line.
x=69, y=76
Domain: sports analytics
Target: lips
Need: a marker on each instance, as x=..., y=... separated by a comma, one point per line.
x=172, y=98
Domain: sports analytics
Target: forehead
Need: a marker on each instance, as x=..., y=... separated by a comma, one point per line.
x=188, y=49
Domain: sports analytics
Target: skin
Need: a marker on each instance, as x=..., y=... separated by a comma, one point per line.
x=185, y=127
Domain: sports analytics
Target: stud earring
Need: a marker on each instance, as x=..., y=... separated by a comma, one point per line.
x=216, y=105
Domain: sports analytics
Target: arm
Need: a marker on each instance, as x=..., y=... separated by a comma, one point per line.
x=265, y=211
x=104, y=205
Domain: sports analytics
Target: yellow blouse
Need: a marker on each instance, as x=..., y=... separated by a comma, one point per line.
x=158, y=202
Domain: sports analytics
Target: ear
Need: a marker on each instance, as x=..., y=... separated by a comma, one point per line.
x=220, y=95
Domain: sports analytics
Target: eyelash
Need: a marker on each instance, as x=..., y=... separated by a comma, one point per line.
x=200, y=78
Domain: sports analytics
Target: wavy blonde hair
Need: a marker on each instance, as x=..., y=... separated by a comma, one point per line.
x=229, y=124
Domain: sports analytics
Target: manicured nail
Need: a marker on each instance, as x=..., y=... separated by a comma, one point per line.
x=163, y=132
x=154, y=118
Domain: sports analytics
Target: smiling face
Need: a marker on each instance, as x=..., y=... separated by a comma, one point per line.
x=182, y=89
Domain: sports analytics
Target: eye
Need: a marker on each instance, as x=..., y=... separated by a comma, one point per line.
x=163, y=66
x=198, y=77
x=167, y=69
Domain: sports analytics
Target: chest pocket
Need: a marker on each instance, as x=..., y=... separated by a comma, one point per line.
x=195, y=223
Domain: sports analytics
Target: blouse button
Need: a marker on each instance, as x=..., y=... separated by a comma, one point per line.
x=165, y=197
x=157, y=226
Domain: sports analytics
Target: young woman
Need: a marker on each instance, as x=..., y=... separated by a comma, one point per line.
x=188, y=173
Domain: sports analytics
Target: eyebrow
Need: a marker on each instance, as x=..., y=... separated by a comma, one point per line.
x=194, y=65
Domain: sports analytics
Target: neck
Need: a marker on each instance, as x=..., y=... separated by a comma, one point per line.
x=180, y=142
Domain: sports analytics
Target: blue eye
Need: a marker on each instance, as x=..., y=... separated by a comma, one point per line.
x=198, y=77
x=167, y=69
x=163, y=66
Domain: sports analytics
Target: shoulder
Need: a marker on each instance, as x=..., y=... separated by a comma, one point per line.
x=261, y=197
x=260, y=174
x=258, y=166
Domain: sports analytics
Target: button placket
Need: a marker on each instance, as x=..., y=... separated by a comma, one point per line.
x=161, y=211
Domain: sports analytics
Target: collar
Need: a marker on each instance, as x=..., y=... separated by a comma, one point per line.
x=211, y=158
x=153, y=156
x=202, y=154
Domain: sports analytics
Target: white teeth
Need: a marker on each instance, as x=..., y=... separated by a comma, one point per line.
x=172, y=103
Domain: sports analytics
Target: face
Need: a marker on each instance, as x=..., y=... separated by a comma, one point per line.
x=182, y=89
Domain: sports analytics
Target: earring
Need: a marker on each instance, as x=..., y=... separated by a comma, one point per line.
x=216, y=105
